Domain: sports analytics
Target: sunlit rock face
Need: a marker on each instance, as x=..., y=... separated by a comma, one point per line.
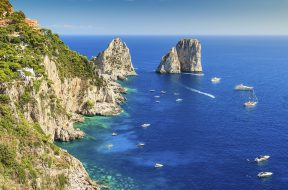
x=186, y=57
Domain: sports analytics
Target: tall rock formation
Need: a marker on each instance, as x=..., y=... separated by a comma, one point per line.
x=115, y=61
x=186, y=57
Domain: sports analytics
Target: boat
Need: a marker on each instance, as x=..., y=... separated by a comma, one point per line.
x=163, y=92
x=158, y=165
x=109, y=145
x=179, y=100
x=152, y=90
x=114, y=134
x=145, y=125
x=141, y=145
x=157, y=101
x=156, y=96
x=215, y=80
x=242, y=87
x=176, y=94
x=252, y=101
x=264, y=174
x=262, y=158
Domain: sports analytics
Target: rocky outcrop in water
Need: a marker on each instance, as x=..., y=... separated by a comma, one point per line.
x=115, y=61
x=186, y=57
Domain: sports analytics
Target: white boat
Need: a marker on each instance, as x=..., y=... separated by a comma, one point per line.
x=242, y=87
x=264, y=174
x=262, y=158
x=176, y=94
x=145, y=125
x=179, y=100
x=109, y=145
x=157, y=101
x=156, y=96
x=152, y=90
x=114, y=134
x=163, y=92
x=215, y=80
x=141, y=145
x=252, y=101
x=158, y=165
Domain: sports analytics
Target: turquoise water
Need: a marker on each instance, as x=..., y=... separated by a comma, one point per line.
x=204, y=142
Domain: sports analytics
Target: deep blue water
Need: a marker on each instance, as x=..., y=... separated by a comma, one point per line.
x=204, y=143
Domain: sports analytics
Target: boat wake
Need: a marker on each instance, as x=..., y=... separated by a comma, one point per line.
x=198, y=91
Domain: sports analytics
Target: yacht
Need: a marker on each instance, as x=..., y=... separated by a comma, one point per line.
x=264, y=174
x=145, y=125
x=242, y=87
x=262, y=158
x=215, y=80
x=158, y=165
x=252, y=101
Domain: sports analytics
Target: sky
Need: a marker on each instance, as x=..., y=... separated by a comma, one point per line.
x=159, y=17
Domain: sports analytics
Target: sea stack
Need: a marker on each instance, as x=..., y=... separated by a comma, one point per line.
x=115, y=61
x=186, y=57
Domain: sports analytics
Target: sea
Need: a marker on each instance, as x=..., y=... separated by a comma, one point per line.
x=207, y=141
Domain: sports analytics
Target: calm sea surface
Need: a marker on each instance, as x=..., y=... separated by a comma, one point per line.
x=204, y=143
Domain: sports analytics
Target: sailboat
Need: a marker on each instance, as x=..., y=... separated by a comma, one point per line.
x=252, y=99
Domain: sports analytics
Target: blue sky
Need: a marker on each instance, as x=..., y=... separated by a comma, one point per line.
x=159, y=17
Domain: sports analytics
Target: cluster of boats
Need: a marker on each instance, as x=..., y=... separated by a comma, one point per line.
x=157, y=97
x=260, y=159
x=252, y=99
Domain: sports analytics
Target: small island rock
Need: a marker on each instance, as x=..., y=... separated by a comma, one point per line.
x=186, y=57
x=115, y=61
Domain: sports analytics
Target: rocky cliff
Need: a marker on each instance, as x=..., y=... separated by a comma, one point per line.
x=115, y=61
x=186, y=57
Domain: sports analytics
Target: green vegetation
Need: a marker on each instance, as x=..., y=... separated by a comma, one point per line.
x=89, y=104
x=5, y=6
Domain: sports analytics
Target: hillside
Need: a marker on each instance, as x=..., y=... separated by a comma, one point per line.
x=44, y=89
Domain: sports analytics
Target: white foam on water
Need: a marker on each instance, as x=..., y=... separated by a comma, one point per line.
x=198, y=91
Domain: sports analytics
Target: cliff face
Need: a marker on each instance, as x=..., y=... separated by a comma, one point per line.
x=170, y=63
x=115, y=61
x=186, y=57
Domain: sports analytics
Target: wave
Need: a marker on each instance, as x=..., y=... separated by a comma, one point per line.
x=198, y=91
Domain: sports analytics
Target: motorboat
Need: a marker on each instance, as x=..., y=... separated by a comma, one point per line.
x=215, y=80
x=179, y=100
x=152, y=90
x=157, y=101
x=163, y=92
x=176, y=94
x=242, y=87
x=158, y=165
x=252, y=100
x=156, y=96
x=114, y=134
x=141, y=145
x=145, y=125
x=109, y=145
x=264, y=174
x=262, y=158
